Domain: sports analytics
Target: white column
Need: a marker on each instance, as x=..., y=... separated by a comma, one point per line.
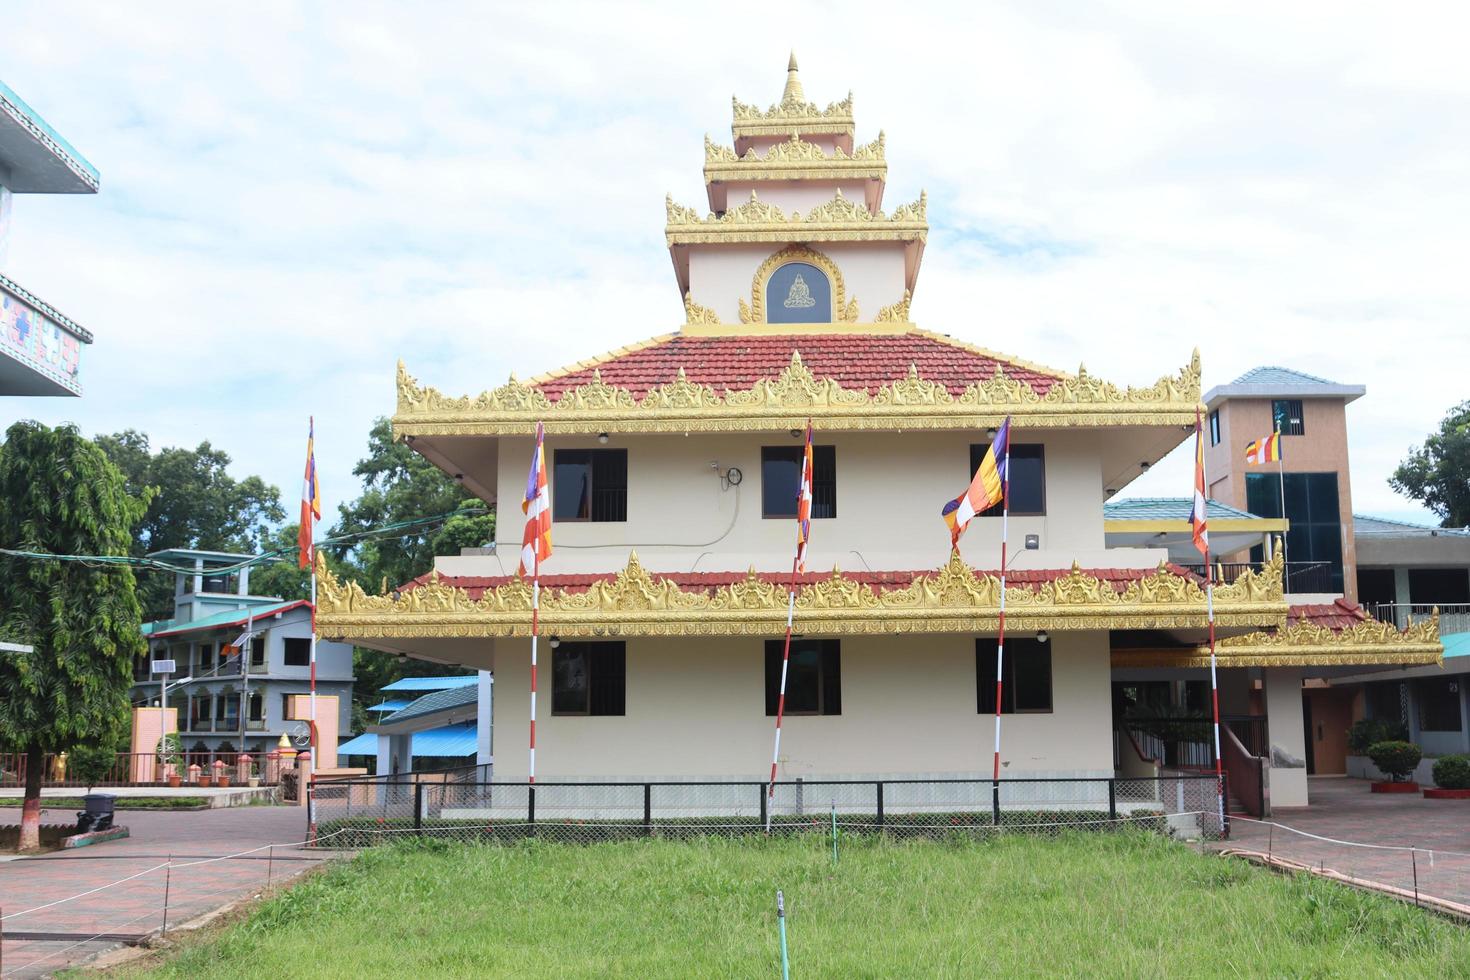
x=482, y=719
x=385, y=760
x=1288, y=736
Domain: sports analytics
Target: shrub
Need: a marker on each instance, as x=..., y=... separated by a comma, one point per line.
x=91, y=764
x=1367, y=731
x=1452, y=772
x=1396, y=759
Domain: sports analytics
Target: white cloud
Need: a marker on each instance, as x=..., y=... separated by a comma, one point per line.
x=294, y=197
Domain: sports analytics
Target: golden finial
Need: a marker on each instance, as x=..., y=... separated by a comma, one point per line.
x=793, y=91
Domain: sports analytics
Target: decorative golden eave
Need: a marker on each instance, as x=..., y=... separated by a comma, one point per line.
x=954, y=599
x=794, y=159
x=1307, y=644
x=790, y=399
x=839, y=220
x=792, y=114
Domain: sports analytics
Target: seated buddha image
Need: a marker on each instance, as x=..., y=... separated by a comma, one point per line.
x=800, y=297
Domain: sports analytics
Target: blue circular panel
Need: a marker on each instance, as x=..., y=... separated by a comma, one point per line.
x=798, y=292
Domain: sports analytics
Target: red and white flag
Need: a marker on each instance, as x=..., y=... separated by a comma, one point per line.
x=1198, y=525
x=536, y=541
x=804, y=503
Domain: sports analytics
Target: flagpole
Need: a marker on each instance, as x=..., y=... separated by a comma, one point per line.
x=1000, y=643
x=1210, y=616
x=1281, y=474
x=312, y=764
x=535, y=627
x=781, y=697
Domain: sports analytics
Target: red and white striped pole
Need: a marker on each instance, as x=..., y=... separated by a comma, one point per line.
x=781, y=697
x=535, y=629
x=1000, y=643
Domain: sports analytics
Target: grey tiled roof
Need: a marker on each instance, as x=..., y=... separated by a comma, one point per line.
x=1169, y=509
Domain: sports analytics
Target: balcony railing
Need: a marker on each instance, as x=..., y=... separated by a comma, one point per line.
x=1300, y=578
x=1454, y=617
x=1189, y=743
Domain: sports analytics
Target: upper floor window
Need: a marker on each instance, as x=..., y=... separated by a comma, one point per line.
x=590, y=485
x=206, y=657
x=257, y=651
x=589, y=679
x=781, y=479
x=297, y=651
x=1025, y=676
x=1215, y=427
x=813, y=677
x=799, y=292
x=1286, y=413
x=1028, y=478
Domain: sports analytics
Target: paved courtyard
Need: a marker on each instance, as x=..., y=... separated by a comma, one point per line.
x=1346, y=810
x=39, y=943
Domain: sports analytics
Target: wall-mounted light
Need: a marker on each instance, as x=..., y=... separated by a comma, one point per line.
x=796, y=433
x=1145, y=465
x=555, y=642
x=1041, y=636
x=602, y=438
x=990, y=432
x=403, y=658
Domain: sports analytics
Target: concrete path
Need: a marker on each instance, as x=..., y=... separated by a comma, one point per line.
x=41, y=942
x=1346, y=810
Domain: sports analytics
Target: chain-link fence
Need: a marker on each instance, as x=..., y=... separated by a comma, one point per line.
x=363, y=812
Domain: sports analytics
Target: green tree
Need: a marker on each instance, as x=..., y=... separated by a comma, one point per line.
x=59, y=494
x=1437, y=474
x=197, y=504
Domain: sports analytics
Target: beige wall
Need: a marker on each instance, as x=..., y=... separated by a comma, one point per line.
x=890, y=490
x=696, y=707
x=721, y=275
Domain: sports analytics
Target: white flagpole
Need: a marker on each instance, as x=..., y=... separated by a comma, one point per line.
x=1210, y=614
x=1281, y=475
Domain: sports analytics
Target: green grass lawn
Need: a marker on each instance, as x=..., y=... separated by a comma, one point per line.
x=1082, y=904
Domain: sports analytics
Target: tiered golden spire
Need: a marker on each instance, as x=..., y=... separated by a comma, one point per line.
x=793, y=92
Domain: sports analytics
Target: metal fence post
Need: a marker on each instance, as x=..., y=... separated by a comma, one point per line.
x=648, y=808
x=762, y=789
x=879, y=786
x=995, y=801
x=531, y=810
x=418, y=806
x=1113, y=799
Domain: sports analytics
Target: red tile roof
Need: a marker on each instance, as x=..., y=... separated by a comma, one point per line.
x=866, y=361
x=1336, y=615
x=476, y=585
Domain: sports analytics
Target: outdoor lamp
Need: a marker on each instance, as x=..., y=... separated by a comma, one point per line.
x=602, y=438
x=1041, y=636
x=555, y=642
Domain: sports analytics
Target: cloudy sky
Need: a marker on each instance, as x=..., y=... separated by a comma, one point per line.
x=296, y=195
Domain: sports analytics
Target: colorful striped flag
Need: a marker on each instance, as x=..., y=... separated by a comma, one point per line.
x=311, y=503
x=985, y=491
x=804, y=503
x=536, y=541
x=1264, y=450
x=1198, y=525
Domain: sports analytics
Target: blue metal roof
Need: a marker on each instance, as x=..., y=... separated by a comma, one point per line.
x=391, y=705
x=435, y=701
x=451, y=740
x=431, y=683
x=230, y=617
x=1169, y=509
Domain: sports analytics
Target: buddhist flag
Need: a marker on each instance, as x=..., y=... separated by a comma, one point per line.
x=1198, y=526
x=311, y=503
x=536, y=541
x=1264, y=450
x=985, y=491
x=804, y=503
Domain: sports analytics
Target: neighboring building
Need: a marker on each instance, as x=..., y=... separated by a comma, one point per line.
x=238, y=703
x=1311, y=414
x=426, y=724
x=674, y=465
x=40, y=349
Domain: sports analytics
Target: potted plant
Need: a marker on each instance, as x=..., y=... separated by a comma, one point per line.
x=1451, y=778
x=221, y=777
x=1397, y=760
x=170, y=756
x=254, y=779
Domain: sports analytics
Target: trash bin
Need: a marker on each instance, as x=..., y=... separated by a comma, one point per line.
x=98, y=812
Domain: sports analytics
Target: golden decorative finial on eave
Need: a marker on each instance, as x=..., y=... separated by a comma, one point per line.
x=793, y=92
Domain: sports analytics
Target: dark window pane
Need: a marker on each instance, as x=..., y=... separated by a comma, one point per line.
x=781, y=478
x=257, y=651
x=1439, y=704
x=813, y=678
x=609, y=669
x=1028, y=478
x=1287, y=416
x=1383, y=701
x=610, y=485
x=569, y=679
x=1215, y=428
x=831, y=678
x=571, y=485
x=297, y=651
x=1438, y=586
x=1025, y=675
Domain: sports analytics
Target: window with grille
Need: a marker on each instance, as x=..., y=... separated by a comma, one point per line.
x=1286, y=413
x=589, y=485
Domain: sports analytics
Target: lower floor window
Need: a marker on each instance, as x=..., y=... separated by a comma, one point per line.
x=589, y=679
x=1025, y=676
x=813, y=677
x=1439, y=704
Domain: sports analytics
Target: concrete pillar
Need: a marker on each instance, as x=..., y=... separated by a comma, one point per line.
x=385, y=763
x=400, y=753
x=482, y=720
x=1283, y=689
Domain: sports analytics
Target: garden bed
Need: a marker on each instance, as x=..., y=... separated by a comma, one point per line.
x=121, y=802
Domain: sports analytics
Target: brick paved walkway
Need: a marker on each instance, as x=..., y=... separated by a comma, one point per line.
x=39, y=943
x=1346, y=810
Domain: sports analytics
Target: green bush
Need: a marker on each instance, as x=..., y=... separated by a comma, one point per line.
x=91, y=764
x=1368, y=731
x=1452, y=772
x=1396, y=759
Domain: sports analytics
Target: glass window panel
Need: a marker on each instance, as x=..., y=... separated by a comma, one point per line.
x=813, y=680
x=1025, y=676
x=781, y=476
x=1028, y=478
x=570, y=681
x=297, y=651
x=571, y=485
x=1439, y=704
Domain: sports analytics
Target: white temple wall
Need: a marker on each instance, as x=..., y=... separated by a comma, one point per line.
x=719, y=277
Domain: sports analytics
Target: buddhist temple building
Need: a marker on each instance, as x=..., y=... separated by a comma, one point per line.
x=674, y=464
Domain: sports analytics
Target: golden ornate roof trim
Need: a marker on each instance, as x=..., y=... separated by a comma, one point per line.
x=585, y=363
x=795, y=159
x=791, y=398
x=792, y=113
x=955, y=599
x=839, y=220
x=1307, y=644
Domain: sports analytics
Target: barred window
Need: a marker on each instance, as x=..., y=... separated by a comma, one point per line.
x=1025, y=676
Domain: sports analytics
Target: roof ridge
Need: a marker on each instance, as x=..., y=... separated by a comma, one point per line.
x=1284, y=370
x=993, y=354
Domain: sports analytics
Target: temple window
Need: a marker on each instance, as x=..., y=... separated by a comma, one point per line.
x=799, y=292
x=813, y=677
x=1025, y=676
x=781, y=478
x=590, y=485
x=1287, y=414
x=1028, y=479
x=589, y=679
x=297, y=651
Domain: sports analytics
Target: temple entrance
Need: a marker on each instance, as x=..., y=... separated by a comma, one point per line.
x=1327, y=713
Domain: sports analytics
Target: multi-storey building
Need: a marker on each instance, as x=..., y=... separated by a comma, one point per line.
x=228, y=701
x=40, y=349
x=674, y=465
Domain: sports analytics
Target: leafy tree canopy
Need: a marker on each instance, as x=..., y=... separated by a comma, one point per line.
x=1437, y=474
x=196, y=504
